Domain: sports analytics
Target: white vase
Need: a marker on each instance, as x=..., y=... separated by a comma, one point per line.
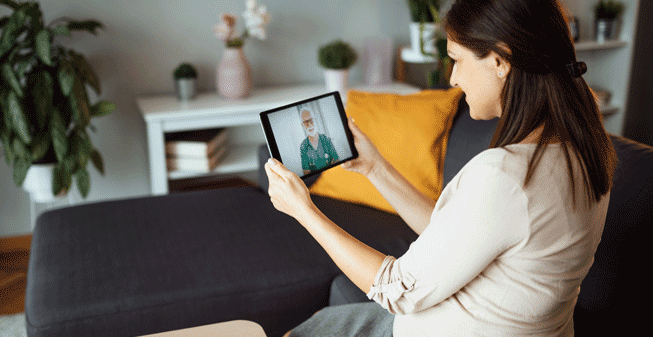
x=336, y=80
x=428, y=36
x=38, y=183
x=234, y=75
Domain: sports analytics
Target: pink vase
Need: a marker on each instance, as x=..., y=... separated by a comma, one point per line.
x=234, y=76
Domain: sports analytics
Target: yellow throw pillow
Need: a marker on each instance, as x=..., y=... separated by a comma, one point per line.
x=410, y=131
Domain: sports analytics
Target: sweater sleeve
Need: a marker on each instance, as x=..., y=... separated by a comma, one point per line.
x=484, y=216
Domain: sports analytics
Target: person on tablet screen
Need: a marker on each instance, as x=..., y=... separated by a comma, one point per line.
x=316, y=150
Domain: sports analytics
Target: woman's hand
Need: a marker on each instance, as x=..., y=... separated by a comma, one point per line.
x=369, y=158
x=287, y=191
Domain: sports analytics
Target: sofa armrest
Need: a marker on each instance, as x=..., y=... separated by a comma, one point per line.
x=263, y=156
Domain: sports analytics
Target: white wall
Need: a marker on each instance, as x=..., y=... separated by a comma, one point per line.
x=144, y=40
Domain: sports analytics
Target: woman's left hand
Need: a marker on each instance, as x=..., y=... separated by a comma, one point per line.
x=287, y=191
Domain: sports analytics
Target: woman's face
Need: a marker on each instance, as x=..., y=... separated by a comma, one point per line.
x=480, y=79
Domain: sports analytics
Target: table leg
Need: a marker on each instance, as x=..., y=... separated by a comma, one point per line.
x=157, y=157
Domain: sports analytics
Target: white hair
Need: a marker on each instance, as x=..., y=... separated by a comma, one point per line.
x=310, y=111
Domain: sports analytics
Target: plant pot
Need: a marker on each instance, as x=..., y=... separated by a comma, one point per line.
x=185, y=88
x=428, y=36
x=336, y=80
x=38, y=183
x=234, y=75
x=605, y=30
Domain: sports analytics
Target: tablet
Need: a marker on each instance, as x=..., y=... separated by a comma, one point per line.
x=309, y=136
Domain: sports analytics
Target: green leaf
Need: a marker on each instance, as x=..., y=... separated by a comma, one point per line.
x=66, y=77
x=34, y=12
x=88, y=25
x=96, y=158
x=43, y=46
x=102, y=108
x=18, y=119
x=82, y=148
x=11, y=4
x=20, y=170
x=67, y=167
x=87, y=73
x=42, y=97
x=7, y=146
x=61, y=30
x=11, y=29
x=79, y=104
x=59, y=140
x=20, y=150
x=40, y=146
x=83, y=181
x=56, y=180
x=9, y=76
x=23, y=66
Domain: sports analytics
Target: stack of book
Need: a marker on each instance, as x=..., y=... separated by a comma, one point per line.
x=195, y=151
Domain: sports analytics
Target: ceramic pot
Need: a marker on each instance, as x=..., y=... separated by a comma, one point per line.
x=185, y=88
x=605, y=30
x=336, y=80
x=428, y=37
x=234, y=75
x=38, y=183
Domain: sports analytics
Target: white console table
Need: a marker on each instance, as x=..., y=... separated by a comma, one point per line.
x=165, y=113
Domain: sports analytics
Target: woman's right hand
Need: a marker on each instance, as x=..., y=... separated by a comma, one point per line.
x=369, y=157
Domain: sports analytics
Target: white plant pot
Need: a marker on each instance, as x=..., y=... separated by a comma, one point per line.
x=428, y=35
x=38, y=183
x=336, y=80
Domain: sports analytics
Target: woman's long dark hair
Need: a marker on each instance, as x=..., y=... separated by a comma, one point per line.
x=539, y=90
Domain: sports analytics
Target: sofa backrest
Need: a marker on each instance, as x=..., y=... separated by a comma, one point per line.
x=609, y=292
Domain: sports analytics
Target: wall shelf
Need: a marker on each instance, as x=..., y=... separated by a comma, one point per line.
x=589, y=45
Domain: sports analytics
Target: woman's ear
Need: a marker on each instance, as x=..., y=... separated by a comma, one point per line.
x=502, y=65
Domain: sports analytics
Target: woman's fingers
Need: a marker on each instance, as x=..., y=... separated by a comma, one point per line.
x=354, y=128
x=279, y=169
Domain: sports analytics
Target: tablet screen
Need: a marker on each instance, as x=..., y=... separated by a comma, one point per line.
x=309, y=136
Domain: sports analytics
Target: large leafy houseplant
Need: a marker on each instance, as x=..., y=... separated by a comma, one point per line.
x=45, y=109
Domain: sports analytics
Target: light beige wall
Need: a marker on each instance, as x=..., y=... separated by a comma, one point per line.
x=145, y=39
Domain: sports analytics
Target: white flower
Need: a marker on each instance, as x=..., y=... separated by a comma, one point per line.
x=258, y=33
x=251, y=4
x=255, y=20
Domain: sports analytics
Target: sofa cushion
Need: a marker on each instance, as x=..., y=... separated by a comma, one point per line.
x=410, y=131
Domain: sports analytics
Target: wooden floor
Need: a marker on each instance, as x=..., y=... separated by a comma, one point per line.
x=14, y=256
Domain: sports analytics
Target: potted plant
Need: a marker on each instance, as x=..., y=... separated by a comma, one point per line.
x=607, y=13
x=428, y=45
x=45, y=110
x=425, y=19
x=336, y=58
x=185, y=77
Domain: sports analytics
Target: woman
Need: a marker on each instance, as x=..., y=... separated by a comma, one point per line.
x=506, y=246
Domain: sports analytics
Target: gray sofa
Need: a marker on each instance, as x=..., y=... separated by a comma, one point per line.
x=152, y=264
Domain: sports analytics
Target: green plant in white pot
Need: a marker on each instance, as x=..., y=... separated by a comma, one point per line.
x=606, y=24
x=424, y=25
x=45, y=110
x=185, y=77
x=336, y=58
